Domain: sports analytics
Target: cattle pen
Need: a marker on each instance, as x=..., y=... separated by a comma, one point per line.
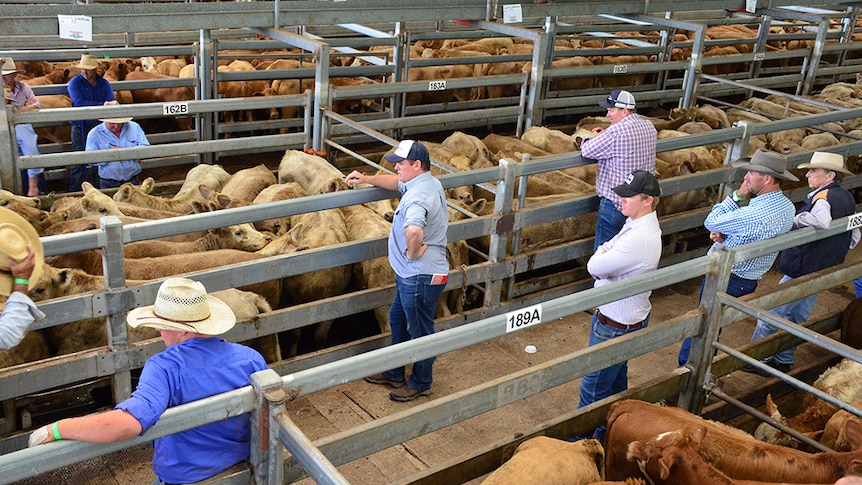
x=511, y=280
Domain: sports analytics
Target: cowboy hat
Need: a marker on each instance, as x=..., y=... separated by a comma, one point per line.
x=764, y=161
x=116, y=120
x=88, y=61
x=15, y=234
x=826, y=161
x=182, y=305
x=9, y=67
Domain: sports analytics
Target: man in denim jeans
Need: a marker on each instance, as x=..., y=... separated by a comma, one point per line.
x=635, y=250
x=417, y=253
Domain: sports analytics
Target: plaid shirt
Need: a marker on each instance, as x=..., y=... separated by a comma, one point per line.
x=765, y=216
x=623, y=147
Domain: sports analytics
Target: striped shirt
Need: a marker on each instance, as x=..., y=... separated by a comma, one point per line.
x=632, y=252
x=767, y=215
x=623, y=147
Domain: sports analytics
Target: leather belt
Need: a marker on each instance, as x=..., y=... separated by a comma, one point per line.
x=611, y=323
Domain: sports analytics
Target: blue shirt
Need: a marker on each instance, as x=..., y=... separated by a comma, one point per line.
x=131, y=135
x=188, y=371
x=765, y=216
x=423, y=204
x=85, y=94
x=18, y=314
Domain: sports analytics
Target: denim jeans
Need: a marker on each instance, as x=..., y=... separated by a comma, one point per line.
x=609, y=222
x=797, y=312
x=78, y=173
x=857, y=283
x=736, y=286
x=608, y=381
x=113, y=184
x=412, y=316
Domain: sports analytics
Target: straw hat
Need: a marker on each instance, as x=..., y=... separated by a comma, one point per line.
x=764, y=161
x=116, y=120
x=826, y=161
x=183, y=305
x=88, y=61
x=15, y=234
x=9, y=67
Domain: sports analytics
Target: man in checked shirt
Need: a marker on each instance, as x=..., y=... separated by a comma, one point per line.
x=768, y=214
x=620, y=149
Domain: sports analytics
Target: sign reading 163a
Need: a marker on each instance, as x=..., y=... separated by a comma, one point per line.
x=437, y=86
x=520, y=319
x=175, y=109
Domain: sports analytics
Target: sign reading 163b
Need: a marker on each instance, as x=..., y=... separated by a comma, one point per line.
x=175, y=109
x=520, y=319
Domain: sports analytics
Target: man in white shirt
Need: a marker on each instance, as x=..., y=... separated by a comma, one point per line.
x=633, y=251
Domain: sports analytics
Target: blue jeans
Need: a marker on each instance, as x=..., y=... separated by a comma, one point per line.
x=797, y=312
x=736, y=286
x=114, y=184
x=78, y=173
x=608, y=381
x=857, y=283
x=609, y=222
x=412, y=316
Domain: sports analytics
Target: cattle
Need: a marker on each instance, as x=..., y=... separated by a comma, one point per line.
x=834, y=435
x=136, y=196
x=732, y=451
x=842, y=381
x=518, y=147
x=438, y=73
x=59, y=75
x=499, y=69
x=6, y=198
x=472, y=147
x=274, y=193
x=548, y=461
x=713, y=116
x=551, y=141
x=314, y=174
x=623, y=80
x=851, y=333
x=816, y=141
x=212, y=176
x=92, y=203
x=243, y=237
x=362, y=224
x=786, y=141
x=161, y=95
x=247, y=183
x=38, y=218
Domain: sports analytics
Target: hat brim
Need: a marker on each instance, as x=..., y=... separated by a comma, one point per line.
x=221, y=319
x=16, y=71
x=745, y=164
x=825, y=166
x=393, y=158
x=624, y=191
x=116, y=120
x=28, y=232
x=89, y=67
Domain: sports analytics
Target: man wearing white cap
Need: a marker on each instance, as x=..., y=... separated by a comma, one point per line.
x=21, y=261
x=86, y=89
x=196, y=364
x=20, y=96
x=826, y=202
x=417, y=254
x=117, y=133
x=625, y=146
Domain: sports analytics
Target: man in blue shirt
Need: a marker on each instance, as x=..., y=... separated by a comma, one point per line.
x=117, y=133
x=195, y=365
x=417, y=253
x=86, y=89
x=768, y=214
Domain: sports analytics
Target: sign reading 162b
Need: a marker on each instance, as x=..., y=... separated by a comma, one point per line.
x=175, y=109
x=437, y=86
x=520, y=319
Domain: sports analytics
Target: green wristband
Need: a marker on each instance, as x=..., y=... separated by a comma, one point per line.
x=22, y=281
x=56, y=431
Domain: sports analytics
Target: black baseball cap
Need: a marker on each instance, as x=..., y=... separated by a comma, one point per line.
x=639, y=182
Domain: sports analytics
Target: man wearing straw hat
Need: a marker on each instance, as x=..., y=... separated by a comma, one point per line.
x=733, y=223
x=196, y=364
x=20, y=96
x=117, y=133
x=21, y=260
x=826, y=202
x=86, y=89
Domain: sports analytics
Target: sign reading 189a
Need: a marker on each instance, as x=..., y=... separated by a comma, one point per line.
x=523, y=318
x=175, y=109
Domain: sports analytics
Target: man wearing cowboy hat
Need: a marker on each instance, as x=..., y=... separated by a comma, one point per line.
x=86, y=89
x=117, y=133
x=20, y=96
x=21, y=260
x=195, y=365
x=826, y=202
x=768, y=214
x=620, y=149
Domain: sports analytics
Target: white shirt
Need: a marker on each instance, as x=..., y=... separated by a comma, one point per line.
x=632, y=252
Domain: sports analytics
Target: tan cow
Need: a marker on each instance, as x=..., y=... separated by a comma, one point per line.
x=275, y=193
x=6, y=198
x=314, y=174
x=247, y=183
x=243, y=237
x=135, y=195
x=212, y=176
x=551, y=141
x=548, y=461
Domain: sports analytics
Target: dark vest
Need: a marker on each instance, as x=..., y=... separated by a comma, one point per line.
x=814, y=256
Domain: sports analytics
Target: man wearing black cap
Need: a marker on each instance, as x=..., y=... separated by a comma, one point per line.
x=624, y=147
x=635, y=250
x=768, y=214
x=417, y=253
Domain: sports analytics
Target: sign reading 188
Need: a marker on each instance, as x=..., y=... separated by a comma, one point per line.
x=520, y=319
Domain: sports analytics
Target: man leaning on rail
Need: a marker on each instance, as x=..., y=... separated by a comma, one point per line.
x=196, y=364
